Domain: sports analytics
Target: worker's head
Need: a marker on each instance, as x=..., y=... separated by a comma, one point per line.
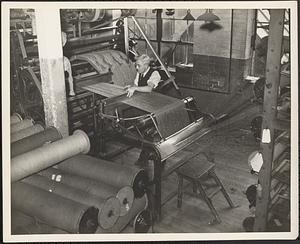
x=142, y=63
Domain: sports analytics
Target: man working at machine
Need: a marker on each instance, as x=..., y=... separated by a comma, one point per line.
x=146, y=79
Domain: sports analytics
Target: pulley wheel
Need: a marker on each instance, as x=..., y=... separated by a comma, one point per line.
x=140, y=184
x=91, y=15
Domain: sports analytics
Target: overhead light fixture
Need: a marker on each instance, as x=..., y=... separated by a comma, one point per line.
x=210, y=26
x=208, y=16
x=170, y=12
x=188, y=16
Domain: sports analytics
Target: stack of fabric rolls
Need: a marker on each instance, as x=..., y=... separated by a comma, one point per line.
x=58, y=189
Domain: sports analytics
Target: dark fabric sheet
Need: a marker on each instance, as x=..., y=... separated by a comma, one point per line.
x=169, y=112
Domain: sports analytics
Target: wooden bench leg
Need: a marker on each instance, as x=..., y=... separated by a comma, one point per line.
x=225, y=194
x=180, y=191
x=209, y=202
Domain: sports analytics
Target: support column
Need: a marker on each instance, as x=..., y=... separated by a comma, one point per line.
x=159, y=27
x=52, y=70
x=269, y=116
x=126, y=35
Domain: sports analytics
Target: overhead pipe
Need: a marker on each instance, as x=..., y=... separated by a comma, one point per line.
x=26, y=132
x=29, y=143
x=124, y=194
x=43, y=157
x=15, y=118
x=23, y=124
x=109, y=208
x=138, y=206
x=53, y=209
x=111, y=173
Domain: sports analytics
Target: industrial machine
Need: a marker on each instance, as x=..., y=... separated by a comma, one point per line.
x=161, y=123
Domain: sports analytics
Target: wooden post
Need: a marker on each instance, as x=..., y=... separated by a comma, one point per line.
x=126, y=36
x=269, y=115
x=52, y=68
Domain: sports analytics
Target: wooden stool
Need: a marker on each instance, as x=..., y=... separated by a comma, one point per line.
x=194, y=171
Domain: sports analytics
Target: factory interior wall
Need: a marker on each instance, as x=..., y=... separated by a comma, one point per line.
x=215, y=59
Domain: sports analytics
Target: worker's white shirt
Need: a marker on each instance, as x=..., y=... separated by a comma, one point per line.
x=154, y=79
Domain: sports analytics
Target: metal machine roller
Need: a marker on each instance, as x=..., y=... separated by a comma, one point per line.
x=111, y=173
x=53, y=209
x=21, y=125
x=15, y=118
x=124, y=194
x=26, y=132
x=43, y=157
x=109, y=208
x=26, y=144
x=139, y=205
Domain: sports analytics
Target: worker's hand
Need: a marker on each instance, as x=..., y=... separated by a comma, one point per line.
x=130, y=91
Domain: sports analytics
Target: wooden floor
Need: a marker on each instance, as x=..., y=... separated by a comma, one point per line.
x=229, y=149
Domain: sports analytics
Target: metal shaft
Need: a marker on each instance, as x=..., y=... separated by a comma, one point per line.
x=124, y=194
x=109, y=209
x=26, y=132
x=15, y=118
x=43, y=157
x=21, y=125
x=111, y=173
x=29, y=143
x=139, y=204
x=53, y=209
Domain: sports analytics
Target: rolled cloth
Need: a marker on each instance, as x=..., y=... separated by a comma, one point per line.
x=170, y=113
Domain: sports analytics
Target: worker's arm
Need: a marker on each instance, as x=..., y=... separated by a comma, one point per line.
x=132, y=89
x=151, y=84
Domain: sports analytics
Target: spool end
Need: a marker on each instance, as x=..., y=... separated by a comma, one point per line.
x=89, y=222
x=109, y=213
x=87, y=139
x=126, y=197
